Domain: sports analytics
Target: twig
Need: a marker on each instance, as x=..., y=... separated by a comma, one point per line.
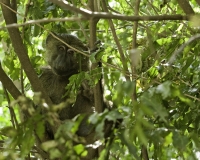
x=111, y=9
x=129, y=3
x=23, y=32
x=195, y=98
x=125, y=67
x=45, y=20
x=177, y=52
x=12, y=113
x=153, y=7
x=135, y=26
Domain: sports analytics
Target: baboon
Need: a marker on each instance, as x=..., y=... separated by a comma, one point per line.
x=63, y=63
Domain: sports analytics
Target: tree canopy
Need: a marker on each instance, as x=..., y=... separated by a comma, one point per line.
x=147, y=53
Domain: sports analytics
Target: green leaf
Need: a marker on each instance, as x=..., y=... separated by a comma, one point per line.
x=49, y=144
x=189, y=61
x=164, y=89
x=180, y=141
x=92, y=57
x=131, y=147
x=8, y=131
x=155, y=102
x=79, y=149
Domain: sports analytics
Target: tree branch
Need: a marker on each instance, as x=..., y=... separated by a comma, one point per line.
x=21, y=50
x=144, y=153
x=198, y=1
x=45, y=20
x=180, y=49
x=135, y=26
x=12, y=113
x=109, y=16
x=125, y=67
x=89, y=14
x=185, y=5
x=98, y=95
x=71, y=7
x=8, y=84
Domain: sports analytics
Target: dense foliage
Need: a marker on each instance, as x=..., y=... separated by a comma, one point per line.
x=157, y=97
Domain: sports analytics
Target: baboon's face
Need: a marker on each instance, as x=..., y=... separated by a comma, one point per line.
x=63, y=60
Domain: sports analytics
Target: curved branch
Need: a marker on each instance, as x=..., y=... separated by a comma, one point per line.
x=105, y=15
x=178, y=51
x=21, y=50
x=71, y=7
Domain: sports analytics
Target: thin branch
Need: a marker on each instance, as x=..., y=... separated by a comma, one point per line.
x=135, y=26
x=23, y=32
x=45, y=20
x=153, y=7
x=12, y=113
x=129, y=3
x=195, y=98
x=111, y=9
x=125, y=67
x=22, y=80
x=13, y=117
x=177, y=52
x=71, y=7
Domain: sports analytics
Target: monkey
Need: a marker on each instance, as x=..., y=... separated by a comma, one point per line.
x=63, y=63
